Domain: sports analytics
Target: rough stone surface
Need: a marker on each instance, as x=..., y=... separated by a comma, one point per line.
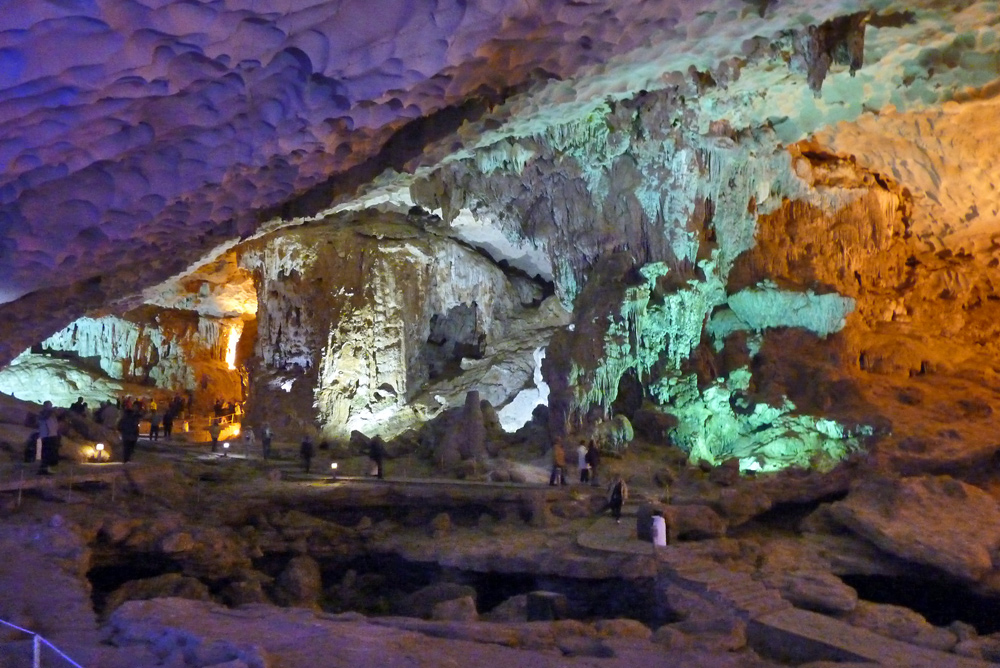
x=299, y=584
x=815, y=590
x=423, y=602
x=902, y=624
x=938, y=521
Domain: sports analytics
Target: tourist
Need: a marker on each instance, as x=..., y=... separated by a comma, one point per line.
x=168, y=422
x=593, y=461
x=79, y=406
x=265, y=440
x=558, y=462
x=306, y=452
x=581, y=462
x=249, y=439
x=214, y=430
x=154, y=425
x=109, y=414
x=48, y=431
x=376, y=452
x=617, y=493
x=128, y=427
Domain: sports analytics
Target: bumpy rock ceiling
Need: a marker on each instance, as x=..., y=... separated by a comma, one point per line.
x=733, y=167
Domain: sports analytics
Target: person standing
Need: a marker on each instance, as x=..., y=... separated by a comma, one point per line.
x=215, y=430
x=376, y=452
x=558, y=462
x=48, y=431
x=581, y=462
x=79, y=406
x=168, y=422
x=265, y=440
x=249, y=439
x=306, y=452
x=617, y=493
x=154, y=425
x=593, y=461
x=128, y=427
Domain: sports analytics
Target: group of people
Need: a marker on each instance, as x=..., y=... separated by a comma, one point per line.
x=46, y=441
x=376, y=453
x=231, y=410
x=588, y=463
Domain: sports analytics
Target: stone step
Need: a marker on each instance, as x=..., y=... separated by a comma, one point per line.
x=801, y=636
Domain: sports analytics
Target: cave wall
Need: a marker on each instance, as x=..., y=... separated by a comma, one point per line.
x=150, y=349
x=667, y=241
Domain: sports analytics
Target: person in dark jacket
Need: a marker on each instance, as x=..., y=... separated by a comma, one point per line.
x=128, y=427
x=214, y=431
x=168, y=422
x=593, y=459
x=376, y=452
x=306, y=452
x=79, y=406
x=266, y=435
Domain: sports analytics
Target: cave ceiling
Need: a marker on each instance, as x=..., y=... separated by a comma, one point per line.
x=141, y=140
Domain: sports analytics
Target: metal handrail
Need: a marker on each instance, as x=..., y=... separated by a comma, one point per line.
x=37, y=640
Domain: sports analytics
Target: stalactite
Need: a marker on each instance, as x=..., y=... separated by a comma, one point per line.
x=506, y=155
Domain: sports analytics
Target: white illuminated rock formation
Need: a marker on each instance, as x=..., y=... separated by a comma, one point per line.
x=372, y=313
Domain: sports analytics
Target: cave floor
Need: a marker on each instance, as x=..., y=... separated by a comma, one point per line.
x=584, y=538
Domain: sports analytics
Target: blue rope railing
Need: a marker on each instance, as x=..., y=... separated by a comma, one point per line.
x=37, y=642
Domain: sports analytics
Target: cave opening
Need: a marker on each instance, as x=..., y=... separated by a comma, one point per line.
x=107, y=575
x=453, y=336
x=378, y=582
x=941, y=601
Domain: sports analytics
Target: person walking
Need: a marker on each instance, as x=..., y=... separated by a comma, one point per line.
x=558, y=462
x=306, y=452
x=617, y=493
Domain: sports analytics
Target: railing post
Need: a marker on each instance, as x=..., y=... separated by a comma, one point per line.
x=36, y=661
